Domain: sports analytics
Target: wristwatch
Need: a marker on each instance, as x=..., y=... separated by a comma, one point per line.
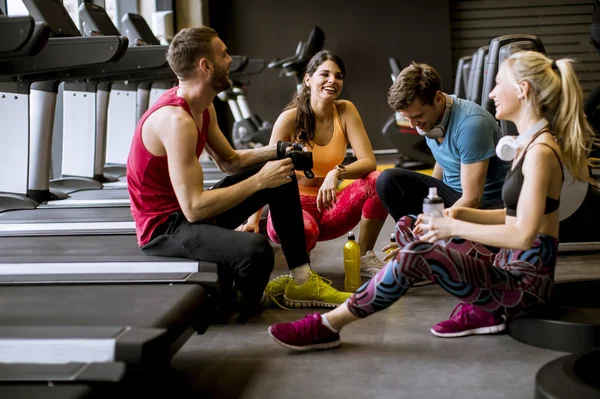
x=340, y=168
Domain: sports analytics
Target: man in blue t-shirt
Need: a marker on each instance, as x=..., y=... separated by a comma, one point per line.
x=462, y=137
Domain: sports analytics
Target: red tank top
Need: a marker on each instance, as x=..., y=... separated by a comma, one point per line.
x=150, y=190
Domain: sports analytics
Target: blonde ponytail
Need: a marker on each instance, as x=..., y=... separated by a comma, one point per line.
x=571, y=125
x=556, y=94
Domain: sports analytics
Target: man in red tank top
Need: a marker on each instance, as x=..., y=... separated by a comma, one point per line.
x=175, y=216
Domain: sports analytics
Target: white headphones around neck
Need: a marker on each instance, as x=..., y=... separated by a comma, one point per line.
x=508, y=146
x=438, y=131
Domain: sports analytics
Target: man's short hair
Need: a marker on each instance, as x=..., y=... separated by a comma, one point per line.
x=415, y=82
x=187, y=47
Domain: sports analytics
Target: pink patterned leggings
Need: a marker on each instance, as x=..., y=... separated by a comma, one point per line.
x=509, y=282
x=355, y=200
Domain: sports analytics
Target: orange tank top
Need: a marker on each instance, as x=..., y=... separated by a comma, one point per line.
x=326, y=157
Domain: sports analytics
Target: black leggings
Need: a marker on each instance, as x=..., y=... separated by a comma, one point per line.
x=402, y=192
x=245, y=259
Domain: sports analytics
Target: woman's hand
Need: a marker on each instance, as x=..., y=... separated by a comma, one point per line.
x=250, y=227
x=432, y=229
x=451, y=213
x=327, y=196
x=390, y=250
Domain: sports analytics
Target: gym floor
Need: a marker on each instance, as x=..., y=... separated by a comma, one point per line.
x=390, y=355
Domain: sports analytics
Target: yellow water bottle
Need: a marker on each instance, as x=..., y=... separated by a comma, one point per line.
x=351, y=264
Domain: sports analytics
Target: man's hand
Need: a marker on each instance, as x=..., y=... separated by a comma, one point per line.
x=284, y=146
x=276, y=173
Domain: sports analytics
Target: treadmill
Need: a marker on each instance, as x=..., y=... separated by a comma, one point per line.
x=71, y=380
x=113, y=256
x=99, y=256
x=58, y=53
x=125, y=106
x=141, y=325
x=24, y=72
x=115, y=220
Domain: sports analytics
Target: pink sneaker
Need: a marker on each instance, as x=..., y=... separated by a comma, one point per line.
x=466, y=320
x=305, y=334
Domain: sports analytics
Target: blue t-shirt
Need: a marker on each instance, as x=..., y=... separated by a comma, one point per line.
x=471, y=136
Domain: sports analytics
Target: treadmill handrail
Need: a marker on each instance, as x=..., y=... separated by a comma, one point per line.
x=137, y=63
x=63, y=53
x=36, y=41
x=15, y=32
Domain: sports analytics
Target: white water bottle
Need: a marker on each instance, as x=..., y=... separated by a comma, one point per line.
x=433, y=205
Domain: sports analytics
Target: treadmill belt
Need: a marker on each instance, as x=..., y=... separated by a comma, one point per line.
x=78, y=391
x=158, y=305
x=47, y=215
x=69, y=353
x=112, y=193
x=205, y=278
x=62, y=372
x=101, y=248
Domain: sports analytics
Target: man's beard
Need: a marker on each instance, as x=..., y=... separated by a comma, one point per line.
x=219, y=80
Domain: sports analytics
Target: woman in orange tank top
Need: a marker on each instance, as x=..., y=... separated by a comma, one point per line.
x=326, y=125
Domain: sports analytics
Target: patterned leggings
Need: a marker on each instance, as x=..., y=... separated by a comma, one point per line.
x=357, y=199
x=516, y=280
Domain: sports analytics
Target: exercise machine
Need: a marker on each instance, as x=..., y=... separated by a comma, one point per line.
x=295, y=65
x=476, y=74
x=248, y=131
x=461, y=79
x=86, y=323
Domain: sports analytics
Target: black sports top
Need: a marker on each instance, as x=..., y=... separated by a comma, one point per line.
x=511, y=189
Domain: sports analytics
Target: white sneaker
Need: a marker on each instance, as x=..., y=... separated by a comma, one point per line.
x=370, y=264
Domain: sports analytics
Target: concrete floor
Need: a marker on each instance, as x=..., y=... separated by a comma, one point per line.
x=390, y=355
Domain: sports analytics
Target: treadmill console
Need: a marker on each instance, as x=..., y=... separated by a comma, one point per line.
x=95, y=21
x=137, y=30
x=52, y=12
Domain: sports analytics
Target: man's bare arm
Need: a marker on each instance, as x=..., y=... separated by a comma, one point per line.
x=228, y=159
x=472, y=181
x=187, y=176
x=438, y=172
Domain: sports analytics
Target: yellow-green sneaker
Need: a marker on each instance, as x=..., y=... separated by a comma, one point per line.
x=317, y=291
x=274, y=290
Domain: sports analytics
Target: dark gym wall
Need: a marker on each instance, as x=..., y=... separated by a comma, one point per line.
x=364, y=33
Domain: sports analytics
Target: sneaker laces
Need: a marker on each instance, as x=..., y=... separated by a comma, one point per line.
x=318, y=280
x=461, y=312
x=276, y=302
x=268, y=293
